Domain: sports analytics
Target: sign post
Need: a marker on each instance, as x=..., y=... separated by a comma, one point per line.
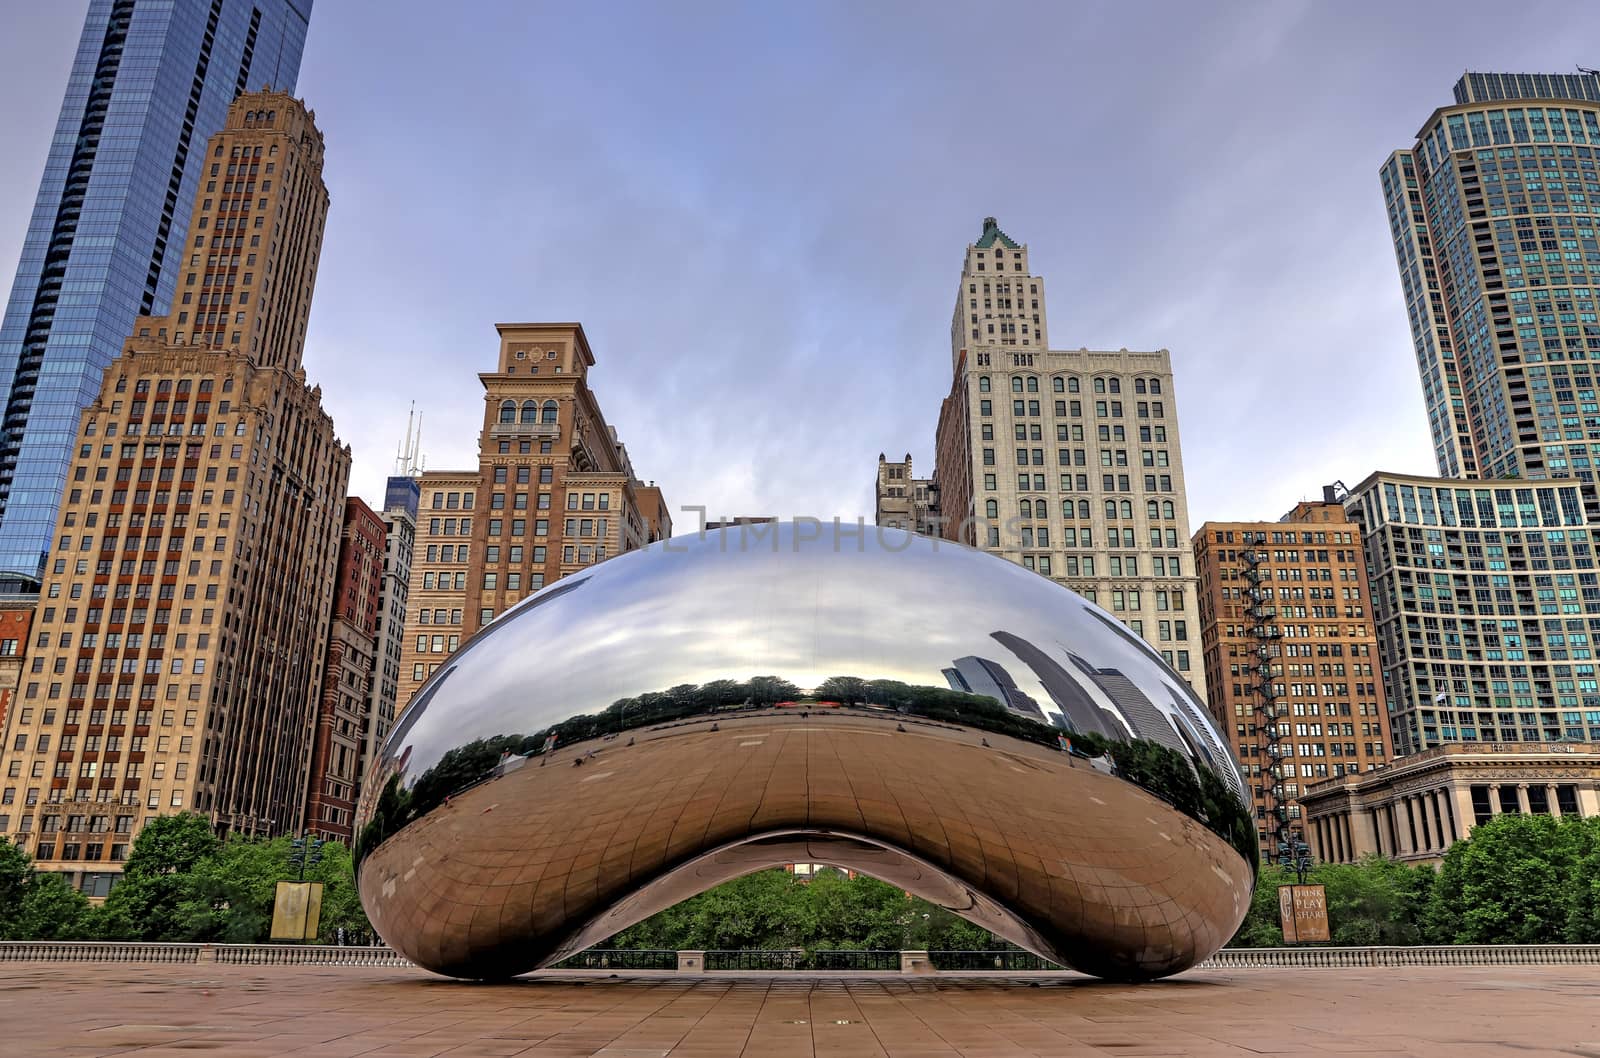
x=1303, y=913
x=297, y=911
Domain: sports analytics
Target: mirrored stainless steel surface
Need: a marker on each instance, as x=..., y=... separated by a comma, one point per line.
x=913, y=709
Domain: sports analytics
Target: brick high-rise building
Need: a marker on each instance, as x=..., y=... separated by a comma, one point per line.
x=554, y=492
x=1067, y=462
x=1492, y=213
x=177, y=655
x=1291, y=659
x=401, y=495
x=339, y=744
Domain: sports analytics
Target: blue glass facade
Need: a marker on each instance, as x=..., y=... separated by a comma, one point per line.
x=151, y=82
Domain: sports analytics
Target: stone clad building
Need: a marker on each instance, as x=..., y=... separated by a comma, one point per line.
x=178, y=649
x=904, y=501
x=1065, y=461
x=1416, y=808
x=554, y=492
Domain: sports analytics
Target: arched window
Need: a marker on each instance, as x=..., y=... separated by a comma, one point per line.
x=530, y=411
x=1083, y=509
x=991, y=508
x=1099, y=385
x=1072, y=386
x=983, y=383
x=1153, y=509
x=1058, y=384
x=1033, y=384
x=1111, y=508
x=1127, y=508
x=549, y=413
x=1138, y=385
x=1155, y=385
x=1166, y=509
x=1016, y=383
x=1066, y=508
x=272, y=115
x=508, y=411
x=1116, y=385
x=1027, y=508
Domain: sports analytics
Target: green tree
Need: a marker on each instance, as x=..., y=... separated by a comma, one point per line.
x=1506, y=884
x=16, y=867
x=848, y=690
x=341, y=903
x=157, y=899
x=857, y=912
x=52, y=909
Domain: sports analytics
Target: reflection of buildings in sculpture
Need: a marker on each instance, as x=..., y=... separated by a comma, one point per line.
x=1078, y=707
x=977, y=675
x=1200, y=746
x=1146, y=718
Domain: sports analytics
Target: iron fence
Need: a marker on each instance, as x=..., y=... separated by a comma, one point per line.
x=621, y=959
x=1006, y=959
x=756, y=959
x=883, y=961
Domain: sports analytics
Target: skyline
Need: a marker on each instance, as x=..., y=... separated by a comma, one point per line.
x=763, y=244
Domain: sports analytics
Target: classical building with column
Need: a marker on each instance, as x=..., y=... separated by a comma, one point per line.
x=1416, y=808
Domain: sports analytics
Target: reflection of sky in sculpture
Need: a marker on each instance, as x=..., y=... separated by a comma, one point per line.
x=888, y=605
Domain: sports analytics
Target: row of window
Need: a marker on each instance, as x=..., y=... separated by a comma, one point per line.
x=1071, y=384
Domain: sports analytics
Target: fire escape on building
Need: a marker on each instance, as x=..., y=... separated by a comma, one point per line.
x=1286, y=845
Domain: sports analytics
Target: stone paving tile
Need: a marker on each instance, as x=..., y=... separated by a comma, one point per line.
x=84, y=1010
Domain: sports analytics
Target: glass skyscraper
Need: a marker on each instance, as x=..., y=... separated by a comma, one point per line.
x=151, y=82
x=1493, y=214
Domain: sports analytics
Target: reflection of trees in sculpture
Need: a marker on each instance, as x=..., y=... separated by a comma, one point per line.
x=1186, y=783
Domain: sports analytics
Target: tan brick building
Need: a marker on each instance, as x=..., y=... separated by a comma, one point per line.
x=904, y=501
x=177, y=654
x=1291, y=656
x=1066, y=462
x=554, y=493
x=348, y=670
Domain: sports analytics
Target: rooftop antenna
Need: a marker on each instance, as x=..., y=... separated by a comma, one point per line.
x=408, y=453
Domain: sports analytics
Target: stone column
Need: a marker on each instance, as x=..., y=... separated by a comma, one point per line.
x=1402, y=825
x=1420, y=801
x=1461, y=801
x=1551, y=800
x=1439, y=817
x=1588, y=800
x=1522, y=799
x=1494, y=798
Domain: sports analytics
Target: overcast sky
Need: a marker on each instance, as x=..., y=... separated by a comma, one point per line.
x=758, y=213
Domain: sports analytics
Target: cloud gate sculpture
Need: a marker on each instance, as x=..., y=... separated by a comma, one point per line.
x=922, y=712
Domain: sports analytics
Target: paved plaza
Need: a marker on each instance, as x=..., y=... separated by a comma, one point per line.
x=334, y=1012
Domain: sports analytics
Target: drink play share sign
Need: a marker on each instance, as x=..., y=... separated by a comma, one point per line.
x=1303, y=911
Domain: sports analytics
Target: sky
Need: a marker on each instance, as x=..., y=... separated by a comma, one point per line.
x=758, y=213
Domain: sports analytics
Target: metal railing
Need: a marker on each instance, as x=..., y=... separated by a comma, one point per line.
x=756, y=959
x=797, y=959
x=1005, y=959
x=840, y=959
x=621, y=959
